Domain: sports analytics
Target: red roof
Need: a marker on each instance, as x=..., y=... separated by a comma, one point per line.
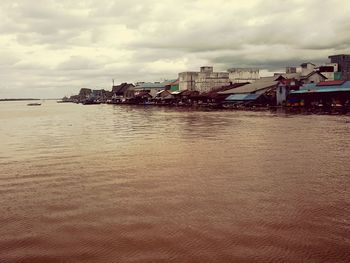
x=331, y=83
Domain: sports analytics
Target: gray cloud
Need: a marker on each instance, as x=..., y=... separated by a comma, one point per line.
x=53, y=48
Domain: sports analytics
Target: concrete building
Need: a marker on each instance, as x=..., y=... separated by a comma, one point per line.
x=203, y=81
x=343, y=62
x=330, y=71
x=307, y=68
x=242, y=75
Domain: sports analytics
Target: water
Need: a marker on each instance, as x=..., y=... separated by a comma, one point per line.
x=103, y=183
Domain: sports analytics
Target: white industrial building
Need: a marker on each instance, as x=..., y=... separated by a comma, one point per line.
x=206, y=79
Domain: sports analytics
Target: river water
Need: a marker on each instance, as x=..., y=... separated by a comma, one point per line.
x=104, y=183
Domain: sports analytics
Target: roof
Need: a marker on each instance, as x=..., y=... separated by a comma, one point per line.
x=121, y=88
x=262, y=83
x=331, y=83
x=340, y=55
x=296, y=76
x=312, y=88
x=243, y=97
x=163, y=91
x=312, y=73
x=216, y=91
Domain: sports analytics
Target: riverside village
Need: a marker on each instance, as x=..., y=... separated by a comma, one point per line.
x=308, y=88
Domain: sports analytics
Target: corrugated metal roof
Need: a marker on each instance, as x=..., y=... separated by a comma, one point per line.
x=260, y=84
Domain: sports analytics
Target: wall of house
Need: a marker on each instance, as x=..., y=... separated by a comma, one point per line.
x=307, y=69
x=315, y=78
x=281, y=94
x=240, y=75
x=328, y=75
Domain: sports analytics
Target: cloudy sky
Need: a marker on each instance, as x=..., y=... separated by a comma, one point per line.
x=52, y=48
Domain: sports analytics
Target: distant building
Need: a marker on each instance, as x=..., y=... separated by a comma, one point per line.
x=307, y=68
x=343, y=62
x=291, y=70
x=242, y=75
x=313, y=77
x=330, y=71
x=203, y=81
x=153, y=87
x=85, y=93
x=122, y=92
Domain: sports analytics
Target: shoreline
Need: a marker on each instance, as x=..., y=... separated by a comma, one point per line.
x=205, y=107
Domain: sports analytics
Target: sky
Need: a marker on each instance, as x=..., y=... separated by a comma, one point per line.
x=52, y=48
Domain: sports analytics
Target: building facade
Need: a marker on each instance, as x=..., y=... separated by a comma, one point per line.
x=343, y=62
x=204, y=80
x=242, y=75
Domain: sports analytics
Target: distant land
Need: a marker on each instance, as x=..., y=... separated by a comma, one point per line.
x=18, y=99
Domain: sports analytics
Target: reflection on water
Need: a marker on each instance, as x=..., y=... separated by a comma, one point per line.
x=105, y=183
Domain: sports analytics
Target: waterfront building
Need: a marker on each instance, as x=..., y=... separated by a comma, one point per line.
x=214, y=96
x=122, y=92
x=262, y=90
x=325, y=94
x=203, y=81
x=141, y=97
x=164, y=96
x=153, y=87
x=100, y=95
x=84, y=93
x=343, y=62
x=284, y=87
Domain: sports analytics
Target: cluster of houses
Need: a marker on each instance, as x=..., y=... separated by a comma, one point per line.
x=314, y=87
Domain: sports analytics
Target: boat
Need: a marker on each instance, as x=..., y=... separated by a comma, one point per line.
x=34, y=104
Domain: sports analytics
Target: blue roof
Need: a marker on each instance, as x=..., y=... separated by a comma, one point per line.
x=243, y=97
x=312, y=88
x=323, y=90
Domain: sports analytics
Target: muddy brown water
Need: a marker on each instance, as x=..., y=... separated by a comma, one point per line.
x=104, y=183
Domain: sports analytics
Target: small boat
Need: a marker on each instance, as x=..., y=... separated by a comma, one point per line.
x=34, y=104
